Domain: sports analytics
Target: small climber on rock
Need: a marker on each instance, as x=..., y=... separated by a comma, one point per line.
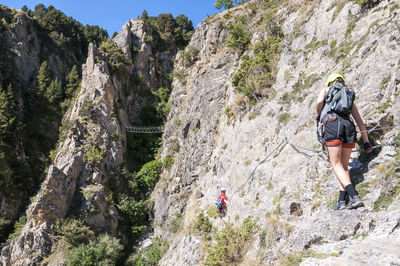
x=221, y=203
x=334, y=107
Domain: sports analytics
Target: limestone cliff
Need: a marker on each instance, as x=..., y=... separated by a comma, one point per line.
x=219, y=137
x=91, y=148
x=241, y=117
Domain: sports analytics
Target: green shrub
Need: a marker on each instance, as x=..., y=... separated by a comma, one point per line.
x=163, y=107
x=384, y=82
x=238, y=36
x=180, y=75
x=152, y=255
x=385, y=199
x=62, y=135
x=363, y=189
x=202, y=224
x=228, y=3
x=339, y=6
x=363, y=235
x=175, y=146
x=333, y=44
x=314, y=44
x=168, y=162
x=298, y=93
x=256, y=75
x=268, y=21
x=116, y=58
x=75, y=232
x=149, y=175
x=105, y=251
x=189, y=56
x=87, y=107
x=93, y=155
x=212, y=211
x=385, y=106
x=135, y=213
x=229, y=112
x=284, y=118
x=231, y=243
x=4, y=22
x=17, y=228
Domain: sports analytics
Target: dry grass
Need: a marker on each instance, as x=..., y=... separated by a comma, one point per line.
x=306, y=10
x=58, y=253
x=276, y=229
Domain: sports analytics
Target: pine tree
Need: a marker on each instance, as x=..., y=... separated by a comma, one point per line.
x=54, y=91
x=7, y=111
x=73, y=82
x=145, y=15
x=44, y=77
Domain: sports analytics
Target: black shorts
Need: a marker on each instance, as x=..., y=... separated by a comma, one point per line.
x=340, y=131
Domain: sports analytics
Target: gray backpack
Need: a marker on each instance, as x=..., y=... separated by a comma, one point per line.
x=338, y=101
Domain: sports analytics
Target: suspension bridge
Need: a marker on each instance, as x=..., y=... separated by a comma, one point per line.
x=144, y=130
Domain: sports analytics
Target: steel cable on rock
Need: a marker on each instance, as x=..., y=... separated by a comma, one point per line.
x=263, y=161
x=376, y=129
x=297, y=148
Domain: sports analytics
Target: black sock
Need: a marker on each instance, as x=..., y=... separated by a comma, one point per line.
x=342, y=195
x=350, y=190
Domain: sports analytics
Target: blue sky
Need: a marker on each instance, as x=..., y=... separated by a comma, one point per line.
x=112, y=15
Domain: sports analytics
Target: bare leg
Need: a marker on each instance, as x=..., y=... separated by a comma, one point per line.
x=346, y=152
x=335, y=157
x=339, y=158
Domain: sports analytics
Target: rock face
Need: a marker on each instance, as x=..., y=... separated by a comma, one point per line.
x=249, y=149
x=263, y=151
x=94, y=145
x=93, y=122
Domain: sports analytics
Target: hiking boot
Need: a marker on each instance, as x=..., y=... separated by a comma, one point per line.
x=354, y=203
x=340, y=205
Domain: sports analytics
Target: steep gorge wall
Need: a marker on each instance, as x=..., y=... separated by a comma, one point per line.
x=24, y=47
x=217, y=139
x=92, y=147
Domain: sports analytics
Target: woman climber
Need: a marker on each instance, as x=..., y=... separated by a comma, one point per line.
x=334, y=107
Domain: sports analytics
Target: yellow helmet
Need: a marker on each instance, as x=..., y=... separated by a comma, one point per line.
x=333, y=77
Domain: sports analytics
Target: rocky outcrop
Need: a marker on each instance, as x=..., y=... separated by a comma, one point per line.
x=29, y=44
x=250, y=149
x=94, y=145
x=263, y=151
x=72, y=173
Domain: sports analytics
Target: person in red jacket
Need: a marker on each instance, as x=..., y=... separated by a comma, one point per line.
x=222, y=207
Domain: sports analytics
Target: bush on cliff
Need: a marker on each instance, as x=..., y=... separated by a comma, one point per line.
x=105, y=251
